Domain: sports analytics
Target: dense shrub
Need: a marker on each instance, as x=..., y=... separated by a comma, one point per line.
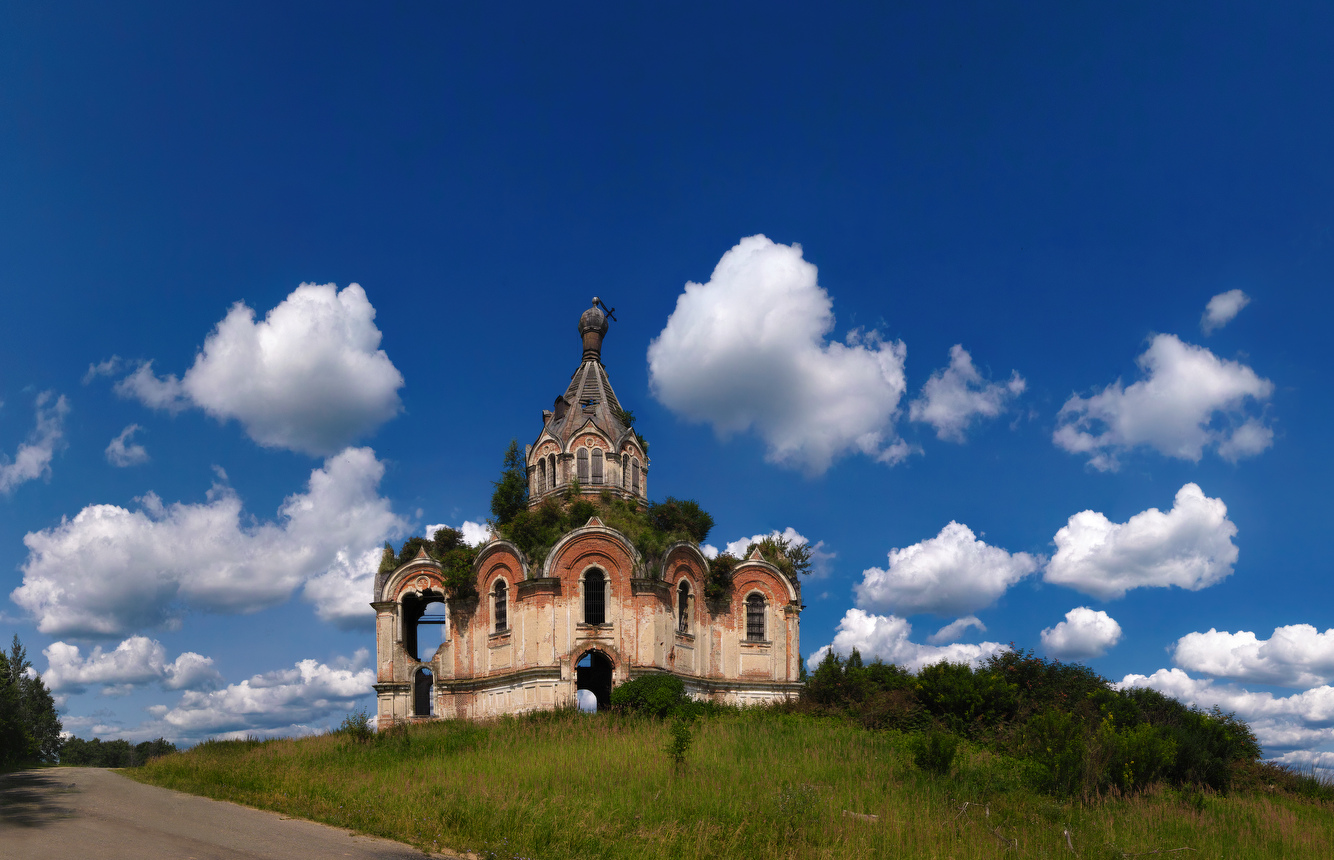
x=1081, y=735
x=966, y=701
x=934, y=751
x=656, y=695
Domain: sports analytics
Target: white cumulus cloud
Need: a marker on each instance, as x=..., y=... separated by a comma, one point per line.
x=952, y=573
x=1190, y=547
x=279, y=702
x=122, y=452
x=1084, y=633
x=1280, y=722
x=136, y=661
x=956, y=396
x=1221, y=310
x=1297, y=655
x=309, y=377
x=110, y=570
x=750, y=350
x=886, y=637
x=1188, y=400
x=33, y=458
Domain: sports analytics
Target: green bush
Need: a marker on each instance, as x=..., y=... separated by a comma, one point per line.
x=934, y=751
x=357, y=727
x=1056, y=744
x=657, y=695
x=964, y=700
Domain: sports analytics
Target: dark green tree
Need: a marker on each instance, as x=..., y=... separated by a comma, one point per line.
x=511, y=493
x=37, y=710
x=16, y=744
x=681, y=515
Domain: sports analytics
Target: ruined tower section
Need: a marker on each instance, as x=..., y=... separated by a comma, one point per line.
x=585, y=435
x=592, y=613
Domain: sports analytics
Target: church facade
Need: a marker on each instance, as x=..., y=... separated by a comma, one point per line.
x=593, y=613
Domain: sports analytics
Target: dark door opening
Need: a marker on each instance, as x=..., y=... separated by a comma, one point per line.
x=421, y=693
x=593, y=673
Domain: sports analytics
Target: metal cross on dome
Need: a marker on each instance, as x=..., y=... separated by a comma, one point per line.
x=610, y=312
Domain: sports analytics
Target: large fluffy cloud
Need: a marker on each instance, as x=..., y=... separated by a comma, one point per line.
x=309, y=377
x=111, y=570
x=953, y=398
x=279, y=702
x=1188, y=400
x=1084, y=633
x=887, y=637
x=1303, y=719
x=137, y=660
x=1221, y=309
x=952, y=573
x=1190, y=546
x=1297, y=655
x=33, y=458
x=750, y=349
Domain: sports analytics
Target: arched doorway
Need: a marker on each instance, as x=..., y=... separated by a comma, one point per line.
x=593, y=673
x=421, y=693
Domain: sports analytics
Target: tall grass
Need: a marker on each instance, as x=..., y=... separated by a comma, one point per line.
x=754, y=784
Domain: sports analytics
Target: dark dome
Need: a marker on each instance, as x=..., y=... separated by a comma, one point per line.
x=593, y=320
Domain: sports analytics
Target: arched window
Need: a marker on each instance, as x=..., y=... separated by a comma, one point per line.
x=595, y=597
x=542, y=475
x=634, y=478
x=625, y=470
x=551, y=469
x=597, y=465
x=683, y=607
x=421, y=693
x=755, y=618
x=502, y=610
x=582, y=458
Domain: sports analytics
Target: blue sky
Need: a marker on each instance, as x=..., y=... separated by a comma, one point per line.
x=952, y=271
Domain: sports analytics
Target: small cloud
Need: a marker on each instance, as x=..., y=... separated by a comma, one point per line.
x=33, y=458
x=955, y=629
x=110, y=367
x=122, y=453
x=1084, y=633
x=1222, y=309
x=953, y=398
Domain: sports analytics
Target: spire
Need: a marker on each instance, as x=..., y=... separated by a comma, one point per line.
x=592, y=328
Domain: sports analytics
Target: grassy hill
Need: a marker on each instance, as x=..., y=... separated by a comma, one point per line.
x=765, y=783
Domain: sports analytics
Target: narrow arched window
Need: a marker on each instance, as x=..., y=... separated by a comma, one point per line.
x=595, y=597
x=755, y=618
x=597, y=465
x=582, y=458
x=625, y=470
x=502, y=609
x=634, y=477
x=683, y=607
x=551, y=468
x=542, y=475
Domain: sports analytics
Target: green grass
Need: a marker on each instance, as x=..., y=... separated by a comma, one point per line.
x=756, y=784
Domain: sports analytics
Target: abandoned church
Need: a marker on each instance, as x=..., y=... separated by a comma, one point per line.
x=529, y=633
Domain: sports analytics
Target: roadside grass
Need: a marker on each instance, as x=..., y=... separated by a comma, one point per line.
x=755, y=783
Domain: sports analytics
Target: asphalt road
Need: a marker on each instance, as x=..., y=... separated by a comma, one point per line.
x=87, y=813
